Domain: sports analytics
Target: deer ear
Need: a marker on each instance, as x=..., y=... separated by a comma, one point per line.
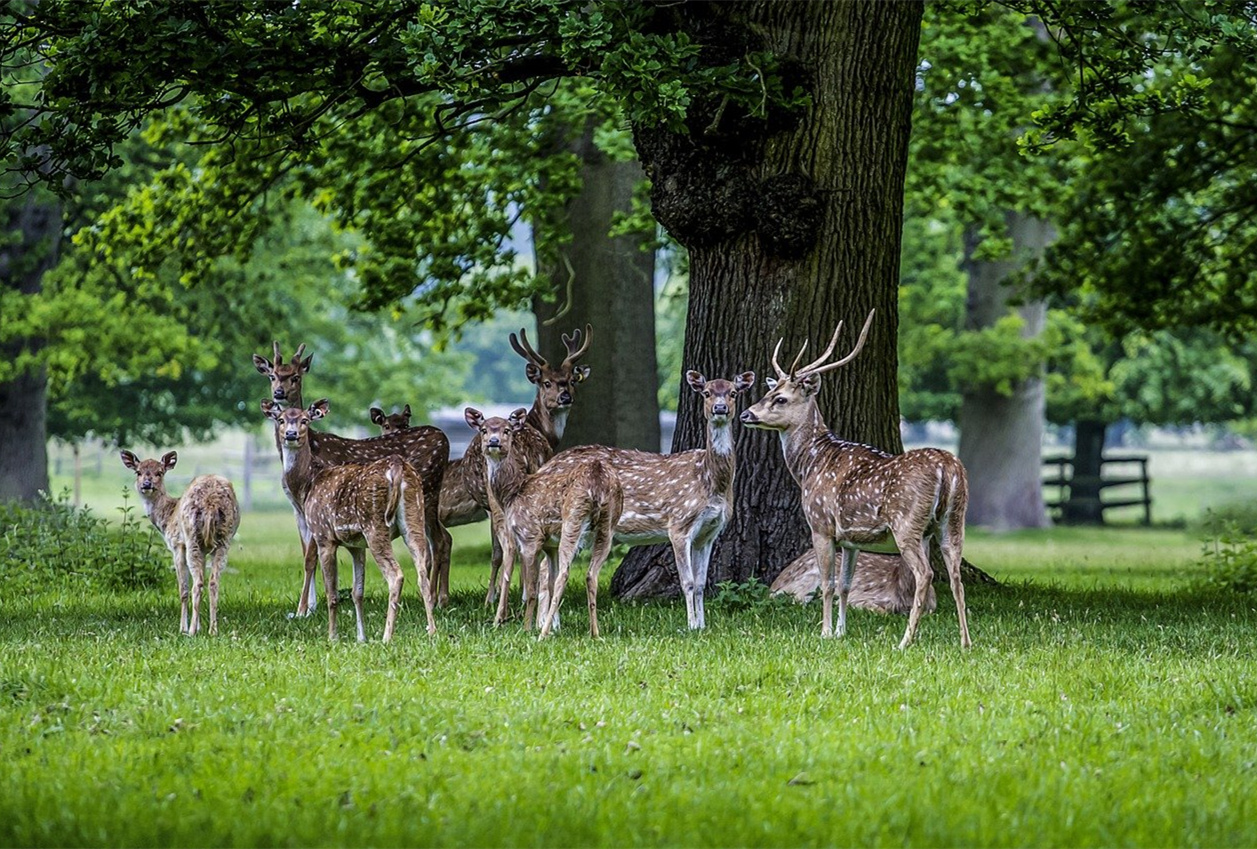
x=744, y=381
x=406, y=412
x=169, y=459
x=270, y=409
x=580, y=373
x=377, y=415
x=518, y=417
x=305, y=364
x=129, y=460
x=771, y=382
x=263, y=365
x=811, y=384
x=532, y=372
x=319, y=409
x=695, y=380
x=473, y=417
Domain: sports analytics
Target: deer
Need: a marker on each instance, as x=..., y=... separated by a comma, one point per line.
x=360, y=506
x=684, y=499
x=201, y=521
x=426, y=448
x=464, y=491
x=859, y=498
x=390, y=422
x=551, y=512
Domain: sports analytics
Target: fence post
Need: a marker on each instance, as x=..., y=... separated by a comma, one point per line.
x=248, y=472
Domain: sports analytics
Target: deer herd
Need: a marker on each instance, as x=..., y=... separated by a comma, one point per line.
x=544, y=507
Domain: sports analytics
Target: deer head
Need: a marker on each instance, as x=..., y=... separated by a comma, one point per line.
x=390, y=423
x=554, y=386
x=791, y=398
x=150, y=474
x=285, y=378
x=719, y=396
x=293, y=423
x=496, y=433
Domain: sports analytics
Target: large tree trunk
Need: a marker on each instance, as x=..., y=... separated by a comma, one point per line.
x=1083, y=505
x=29, y=248
x=607, y=283
x=792, y=226
x=1001, y=436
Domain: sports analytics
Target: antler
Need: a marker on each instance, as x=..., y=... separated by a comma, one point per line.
x=301, y=349
x=570, y=341
x=525, y=350
x=278, y=358
x=817, y=368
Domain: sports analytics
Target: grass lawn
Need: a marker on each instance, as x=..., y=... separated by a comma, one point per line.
x=1104, y=703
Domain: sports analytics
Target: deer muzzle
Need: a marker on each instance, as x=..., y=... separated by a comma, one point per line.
x=749, y=417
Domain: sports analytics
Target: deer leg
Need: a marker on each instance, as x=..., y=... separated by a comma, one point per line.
x=509, y=554
x=445, y=546
x=541, y=578
x=327, y=559
x=309, y=599
x=181, y=573
x=681, y=547
x=196, y=566
x=359, y=558
x=847, y=569
x=218, y=561
x=495, y=560
x=951, y=541
x=568, y=546
x=382, y=551
x=701, y=559
x=599, y=552
x=421, y=550
x=823, y=545
x=916, y=557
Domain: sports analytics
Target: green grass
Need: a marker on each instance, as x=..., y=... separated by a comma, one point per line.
x=1105, y=703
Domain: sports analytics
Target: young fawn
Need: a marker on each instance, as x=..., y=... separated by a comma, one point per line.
x=550, y=513
x=359, y=506
x=201, y=521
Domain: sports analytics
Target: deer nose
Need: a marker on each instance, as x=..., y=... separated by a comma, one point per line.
x=720, y=409
x=494, y=442
x=565, y=397
x=279, y=395
x=748, y=417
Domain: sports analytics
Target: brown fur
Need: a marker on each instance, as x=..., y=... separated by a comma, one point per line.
x=426, y=448
x=858, y=498
x=882, y=583
x=684, y=498
x=360, y=506
x=551, y=513
x=464, y=491
x=390, y=422
x=201, y=521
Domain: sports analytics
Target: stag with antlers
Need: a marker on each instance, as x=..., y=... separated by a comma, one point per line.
x=684, y=499
x=554, y=513
x=425, y=448
x=464, y=492
x=858, y=498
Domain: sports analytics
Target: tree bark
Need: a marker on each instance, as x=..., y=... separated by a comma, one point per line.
x=607, y=283
x=793, y=224
x=1001, y=436
x=32, y=237
x=1083, y=506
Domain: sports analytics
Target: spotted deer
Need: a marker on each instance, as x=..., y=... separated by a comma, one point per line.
x=425, y=448
x=858, y=498
x=360, y=506
x=554, y=513
x=684, y=499
x=464, y=493
x=390, y=422
x=201, y=521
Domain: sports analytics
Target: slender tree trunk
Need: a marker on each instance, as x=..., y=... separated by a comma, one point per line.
x=1083, y=506
x=1001, y=436
x=793, y=225
x=607, y=283
x=27, y=249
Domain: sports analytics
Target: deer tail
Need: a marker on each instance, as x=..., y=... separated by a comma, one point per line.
x=396, y=477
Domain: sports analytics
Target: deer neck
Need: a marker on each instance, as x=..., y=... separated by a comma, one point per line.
x=800, y=444
x=506, y=477
x=159, y=507
x=550, y=424
x=298, y=466
x=719, y=459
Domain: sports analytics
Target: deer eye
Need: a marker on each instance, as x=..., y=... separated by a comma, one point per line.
x=548, y=384
x=779, y=400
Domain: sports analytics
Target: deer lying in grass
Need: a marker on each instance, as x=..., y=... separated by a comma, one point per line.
x=201, y=521
x=551, y=512
x=464, y=492
x=858, y=498
x=684, y=498
x=390, y=422
x=425, y=448
x=359, y=506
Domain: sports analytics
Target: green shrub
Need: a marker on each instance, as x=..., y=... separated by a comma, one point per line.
x=53, y=543
x=1229, y=555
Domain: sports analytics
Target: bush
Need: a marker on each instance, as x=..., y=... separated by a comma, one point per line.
x=1230, y=551
x=53, y=543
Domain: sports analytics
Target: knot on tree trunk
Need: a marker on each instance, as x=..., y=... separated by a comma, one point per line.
x=788, y=215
